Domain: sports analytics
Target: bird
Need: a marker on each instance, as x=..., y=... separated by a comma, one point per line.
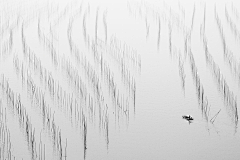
x=188, y=117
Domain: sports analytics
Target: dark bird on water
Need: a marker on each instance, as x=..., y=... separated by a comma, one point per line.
x=188, y=118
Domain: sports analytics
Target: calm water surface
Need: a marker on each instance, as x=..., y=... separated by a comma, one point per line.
x=112, y=80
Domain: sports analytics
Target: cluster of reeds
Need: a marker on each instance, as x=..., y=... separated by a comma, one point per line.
x=143, y=9
x=228, y=54
x=30, y=134
x=235, y=11
x=81, y=60
x=121, y=52
x=8, y=92
x=37, y=96
x=127, y=78
x=62, y=98
x=181, y=9
x=230, y=99
x=34, y=63
x=202, y=98
x=56, y=136
x=104, y=122
x=86, y=97
x=62, y=14
x=5, y=144
x=84, y=26
x=193, y=16
x=175, y=51
x=54, y=17
x=6, y=45
x=202, y=26
x=5, y=137
x=105, y=25
x=48, y=44
x=170, y=38
x=174, y=20
x=182, y=72
x=19, y=110
x=124, y=56
x=52, y=86
x=56, y=92
x=228, y=96
x=96, y=24
x=159, y=32
x=113, y=89
x=147, y=27
x=72, y=19
x=41, y=151
x=75, y=79
x=232, y=25
x=84, y=136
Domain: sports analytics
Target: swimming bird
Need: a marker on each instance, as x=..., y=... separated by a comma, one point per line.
x=187, y=117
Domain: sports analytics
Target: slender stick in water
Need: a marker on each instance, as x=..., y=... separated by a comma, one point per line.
x=214, y=117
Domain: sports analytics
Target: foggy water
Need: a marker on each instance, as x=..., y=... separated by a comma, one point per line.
x=112, y=80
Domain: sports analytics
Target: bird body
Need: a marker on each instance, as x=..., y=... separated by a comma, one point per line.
x=187, y=117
